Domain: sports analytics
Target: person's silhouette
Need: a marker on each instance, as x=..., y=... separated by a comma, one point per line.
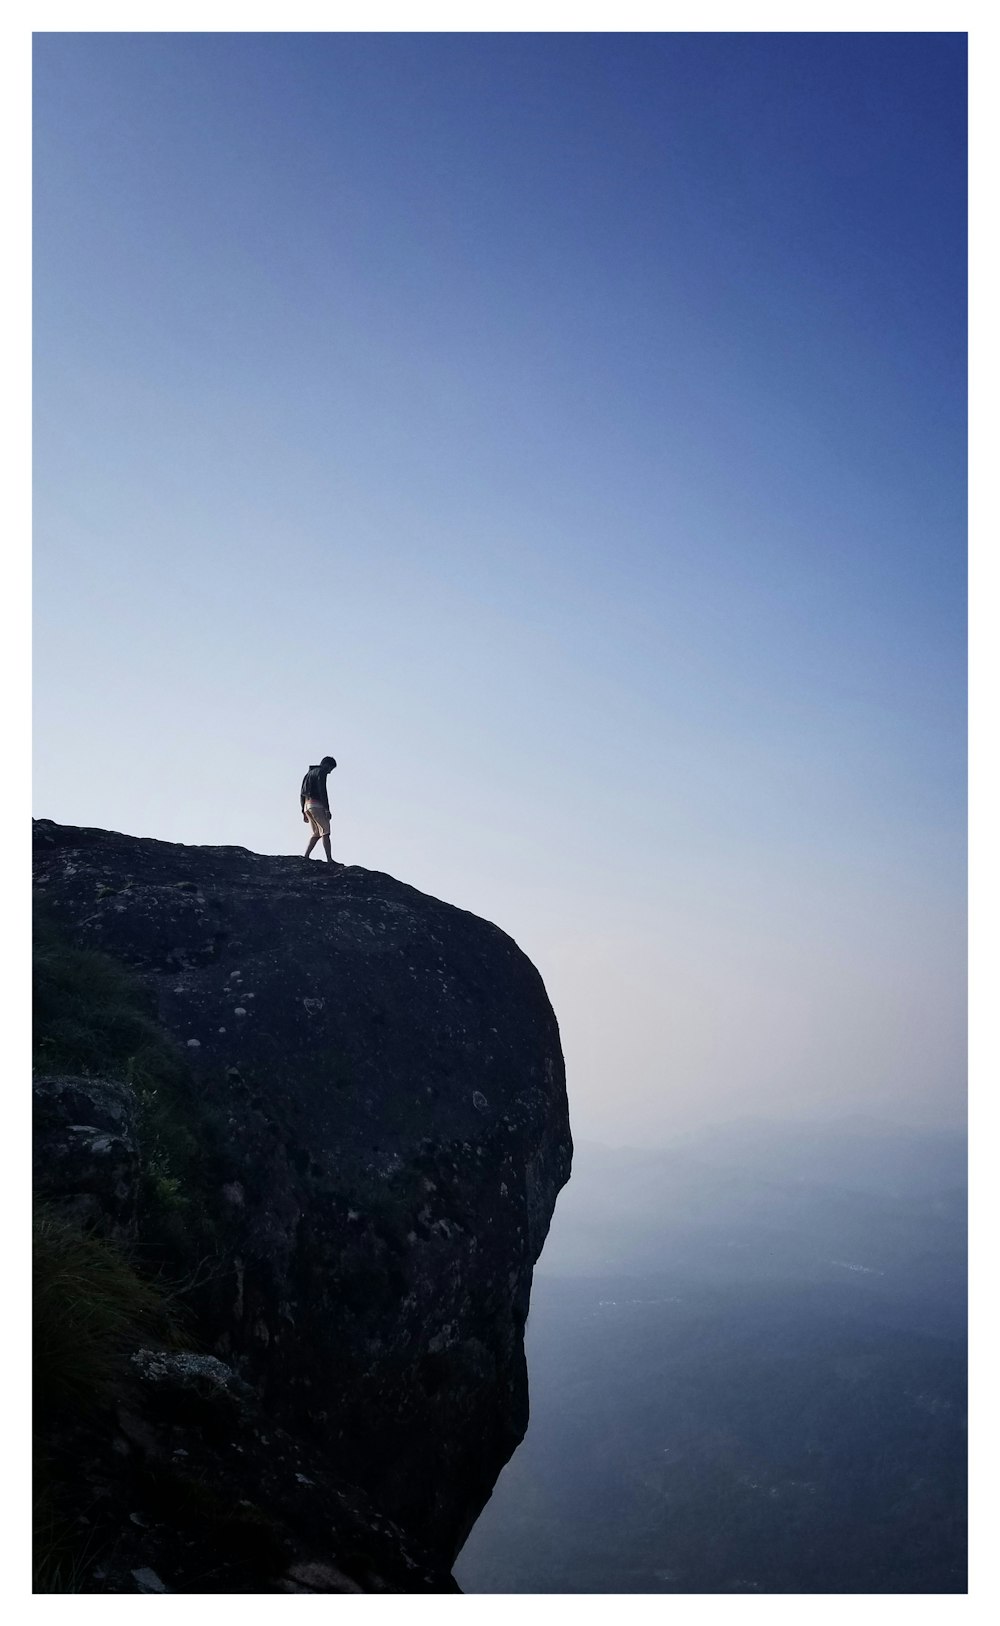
x=315, y=803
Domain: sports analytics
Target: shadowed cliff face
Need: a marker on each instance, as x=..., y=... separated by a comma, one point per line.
x=378, y=1091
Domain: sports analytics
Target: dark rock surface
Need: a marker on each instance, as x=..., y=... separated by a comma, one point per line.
x=85, y=1152
x=379, y=1088
x=207, y=1494
x=190, y=1486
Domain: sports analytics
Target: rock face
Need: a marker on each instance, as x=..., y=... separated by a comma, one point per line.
x=85, y=1153
x=381, y=1090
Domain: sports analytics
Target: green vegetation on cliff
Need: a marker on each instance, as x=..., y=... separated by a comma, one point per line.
x=93, y=1301
x=95, y=1018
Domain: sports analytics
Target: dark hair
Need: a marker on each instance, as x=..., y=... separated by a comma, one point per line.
x=328, y=760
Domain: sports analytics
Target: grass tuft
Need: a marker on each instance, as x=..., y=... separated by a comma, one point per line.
x=91, y=1310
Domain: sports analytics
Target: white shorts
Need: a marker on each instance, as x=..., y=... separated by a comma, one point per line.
x=318, y=817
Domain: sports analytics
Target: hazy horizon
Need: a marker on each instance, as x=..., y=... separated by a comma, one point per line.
x=567, y=433
x=748, y=1373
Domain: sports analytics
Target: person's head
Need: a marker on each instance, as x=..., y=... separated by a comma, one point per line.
x=328, y=763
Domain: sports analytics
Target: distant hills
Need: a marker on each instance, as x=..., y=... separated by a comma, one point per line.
x=776, y=1203
x=747, y=1364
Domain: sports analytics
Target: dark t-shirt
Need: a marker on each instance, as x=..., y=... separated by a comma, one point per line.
x=314, y=787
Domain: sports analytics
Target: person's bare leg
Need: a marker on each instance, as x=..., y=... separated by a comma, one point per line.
x=312, y=842
x=326, y=849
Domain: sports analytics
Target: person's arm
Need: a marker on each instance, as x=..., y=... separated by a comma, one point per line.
x=302, y=801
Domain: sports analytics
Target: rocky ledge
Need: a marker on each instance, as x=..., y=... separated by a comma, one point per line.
x=374, y=1131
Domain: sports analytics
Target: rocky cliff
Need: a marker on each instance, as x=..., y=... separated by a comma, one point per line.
x=347, y=1156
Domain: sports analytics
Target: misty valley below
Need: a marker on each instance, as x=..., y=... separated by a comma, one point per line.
x=747, y=1358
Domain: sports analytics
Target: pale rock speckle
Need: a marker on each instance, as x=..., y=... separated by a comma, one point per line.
x=147, y=1580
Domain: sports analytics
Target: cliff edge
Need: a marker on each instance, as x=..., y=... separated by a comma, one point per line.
x=348, y=1159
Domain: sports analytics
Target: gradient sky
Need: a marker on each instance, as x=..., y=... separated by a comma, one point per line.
x=566, y=432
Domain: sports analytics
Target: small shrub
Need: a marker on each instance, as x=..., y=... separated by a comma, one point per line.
x=90, y=1014
x=93, y=1016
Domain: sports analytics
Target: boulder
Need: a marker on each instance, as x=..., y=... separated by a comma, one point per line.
x=376, y=1086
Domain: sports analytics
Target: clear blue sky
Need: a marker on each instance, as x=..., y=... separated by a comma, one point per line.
x=566, y=432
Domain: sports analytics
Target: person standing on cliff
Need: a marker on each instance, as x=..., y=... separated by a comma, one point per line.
x=315, y=803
